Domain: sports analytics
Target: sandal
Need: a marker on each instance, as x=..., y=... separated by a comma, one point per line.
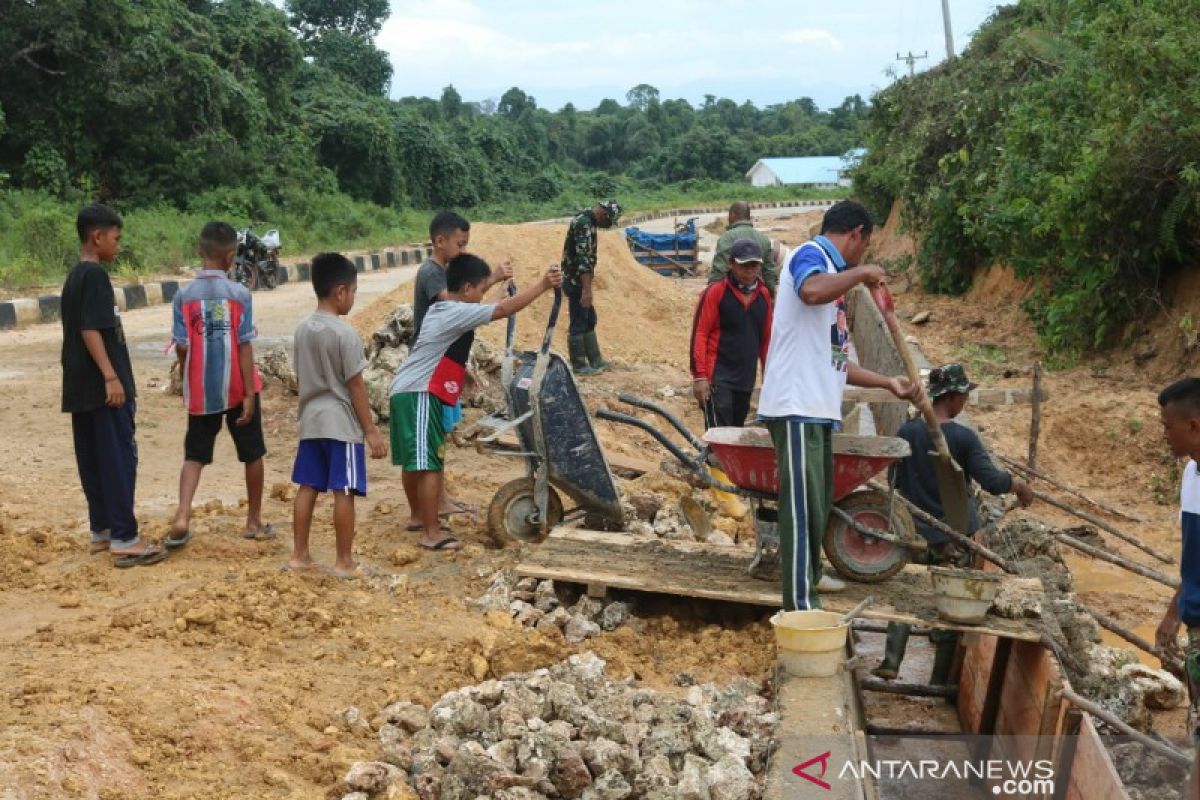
x=149, y=553
x=264, y=534
x=177, y=538
x=450, y=543
x=444, y=527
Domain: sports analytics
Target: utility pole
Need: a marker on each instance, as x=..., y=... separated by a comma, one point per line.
x=946, y=26
x=911, y=60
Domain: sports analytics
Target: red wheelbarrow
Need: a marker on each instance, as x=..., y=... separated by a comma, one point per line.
x=869, y=536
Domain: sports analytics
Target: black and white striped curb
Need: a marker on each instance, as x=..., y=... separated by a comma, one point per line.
x=47, y=308
x=32, y=310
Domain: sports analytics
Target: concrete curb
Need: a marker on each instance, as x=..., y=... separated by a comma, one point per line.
x=19, y=312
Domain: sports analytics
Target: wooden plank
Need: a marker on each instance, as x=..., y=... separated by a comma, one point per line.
x=717, y=572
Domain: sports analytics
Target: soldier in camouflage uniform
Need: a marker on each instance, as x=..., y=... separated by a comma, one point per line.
x=578, y=266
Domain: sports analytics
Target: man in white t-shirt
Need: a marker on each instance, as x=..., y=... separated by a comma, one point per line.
x=808, y=367
x=1180, y=408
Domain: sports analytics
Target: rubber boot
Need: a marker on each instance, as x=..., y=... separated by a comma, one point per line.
x=943, y=656
x=578, y=352
x=592, y=345
x=893, y=652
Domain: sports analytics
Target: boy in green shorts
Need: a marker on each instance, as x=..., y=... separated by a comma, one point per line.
x=432, y=377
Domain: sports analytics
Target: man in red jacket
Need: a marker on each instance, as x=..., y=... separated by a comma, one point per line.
x=730, y=333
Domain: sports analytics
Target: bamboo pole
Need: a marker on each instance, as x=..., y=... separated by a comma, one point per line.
x=1035, y=423
x=1104, y=526
x=1120, y=561
x=1058, y=484
x=937, y=524
x=907, y=689
x=1110, y=624
x=1162, y=748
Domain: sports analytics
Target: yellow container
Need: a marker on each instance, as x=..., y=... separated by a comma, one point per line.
x=811, y=644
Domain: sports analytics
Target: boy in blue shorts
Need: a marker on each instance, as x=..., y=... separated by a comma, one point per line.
x=432, y=378
x=334, y=413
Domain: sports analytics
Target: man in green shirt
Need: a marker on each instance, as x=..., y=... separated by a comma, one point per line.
x=578, y=267
x=740, y=227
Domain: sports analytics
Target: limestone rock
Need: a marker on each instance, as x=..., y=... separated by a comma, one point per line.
x=609, y=786
x=720, y=538
x=613, y=616
x=1160, y=689
x=570, y=775
x=729, y=779
x=371, y=776
x=693, y=780
x=276, y=362
x=1019, y=597
x=409, y=716
x=580, y=628
x=351, y=719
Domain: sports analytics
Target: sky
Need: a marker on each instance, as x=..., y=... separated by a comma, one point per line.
x=767, y=51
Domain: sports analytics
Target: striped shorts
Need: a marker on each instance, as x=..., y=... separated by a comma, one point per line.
x=328, y=465
x=418, y=432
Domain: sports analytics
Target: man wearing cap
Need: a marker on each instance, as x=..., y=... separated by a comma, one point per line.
x=579, y=267
x=730, y=332
x=916, y=479
x=808, y=367
x=740, y=227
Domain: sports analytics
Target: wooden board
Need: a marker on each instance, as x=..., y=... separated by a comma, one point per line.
x=715, y=572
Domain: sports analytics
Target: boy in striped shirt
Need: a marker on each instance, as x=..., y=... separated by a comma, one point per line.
x=213, y=330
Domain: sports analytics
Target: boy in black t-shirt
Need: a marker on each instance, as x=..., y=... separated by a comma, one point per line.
x=98, y=392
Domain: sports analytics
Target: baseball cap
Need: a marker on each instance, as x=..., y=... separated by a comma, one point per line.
x=949, y=378
x=744, y=251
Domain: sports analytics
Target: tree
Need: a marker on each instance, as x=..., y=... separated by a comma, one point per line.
x=514, y=103
x=361, y=18
x=452, y=103
x=642, y=96
x=356, y=60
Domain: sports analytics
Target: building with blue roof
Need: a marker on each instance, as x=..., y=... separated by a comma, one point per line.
x=816, y=171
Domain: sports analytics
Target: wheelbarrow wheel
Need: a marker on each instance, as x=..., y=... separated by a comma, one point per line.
x=863, y=558
x=513, y=513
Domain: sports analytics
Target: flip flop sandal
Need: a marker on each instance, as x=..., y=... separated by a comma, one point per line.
x=177, y=539
x=444, y=527
x=360, y=571
x=264, y=534
x=444, y=544
x=143, y=559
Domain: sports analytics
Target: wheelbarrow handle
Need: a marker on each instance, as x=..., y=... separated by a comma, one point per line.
x=695, y=463
x=512, y=320
x=553, y=320
x=639, y=402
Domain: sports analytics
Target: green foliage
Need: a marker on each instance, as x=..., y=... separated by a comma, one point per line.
x=178, y=110
x=1065, y=143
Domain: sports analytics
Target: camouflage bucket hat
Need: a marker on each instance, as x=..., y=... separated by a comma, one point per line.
x=949, y=378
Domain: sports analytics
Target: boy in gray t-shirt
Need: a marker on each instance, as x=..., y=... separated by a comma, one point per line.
x=432, y=378
x=450, y=233
x=334, y=413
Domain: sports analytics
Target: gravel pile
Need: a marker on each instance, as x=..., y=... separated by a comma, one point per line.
x=570, y=731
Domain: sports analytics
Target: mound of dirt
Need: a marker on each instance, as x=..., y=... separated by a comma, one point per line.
x=642, y=315
x=890, y=242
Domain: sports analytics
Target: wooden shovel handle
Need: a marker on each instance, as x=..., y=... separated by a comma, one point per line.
x=883, y=299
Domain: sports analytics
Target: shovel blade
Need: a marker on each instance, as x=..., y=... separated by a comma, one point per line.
x=952, y=489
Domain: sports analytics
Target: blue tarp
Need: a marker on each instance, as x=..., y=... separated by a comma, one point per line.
x=639, y=240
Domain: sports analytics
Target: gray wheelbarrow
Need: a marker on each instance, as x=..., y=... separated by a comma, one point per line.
x=556, y=440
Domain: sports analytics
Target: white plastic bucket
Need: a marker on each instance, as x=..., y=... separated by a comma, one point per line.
x=964, y=595
x=811, y=644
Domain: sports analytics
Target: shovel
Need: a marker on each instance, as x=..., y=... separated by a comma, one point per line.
x=952, y=486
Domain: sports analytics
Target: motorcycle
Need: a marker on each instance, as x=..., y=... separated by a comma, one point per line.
x=257, y=261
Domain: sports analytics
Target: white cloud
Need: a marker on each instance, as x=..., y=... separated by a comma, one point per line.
x=810, y=36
